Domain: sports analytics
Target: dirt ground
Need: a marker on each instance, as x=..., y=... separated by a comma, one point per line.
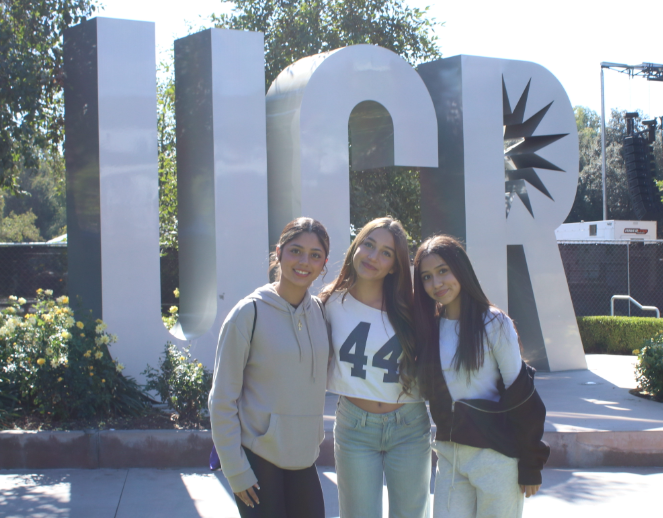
x=154, y=420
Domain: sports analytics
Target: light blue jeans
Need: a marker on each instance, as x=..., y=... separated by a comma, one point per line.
x=396, y=444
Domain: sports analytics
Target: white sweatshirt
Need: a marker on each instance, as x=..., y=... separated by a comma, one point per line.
x=268, y=394
x=501, y=356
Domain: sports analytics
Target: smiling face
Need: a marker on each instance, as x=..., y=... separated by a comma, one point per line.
x=375, y=257
x=301, y=260
x=441, y=284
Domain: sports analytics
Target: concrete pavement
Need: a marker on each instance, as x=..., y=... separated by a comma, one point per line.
x=152, y=493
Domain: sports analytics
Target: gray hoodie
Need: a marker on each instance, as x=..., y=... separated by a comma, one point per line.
x=268, y=394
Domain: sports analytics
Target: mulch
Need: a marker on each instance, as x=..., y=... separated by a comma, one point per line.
x=646, y=395
x=154, y=420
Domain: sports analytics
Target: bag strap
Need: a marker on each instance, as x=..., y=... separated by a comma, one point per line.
x=255, y=317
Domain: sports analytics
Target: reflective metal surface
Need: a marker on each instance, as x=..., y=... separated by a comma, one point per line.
x=112, y=180
x=311, y=107
x=508, y=211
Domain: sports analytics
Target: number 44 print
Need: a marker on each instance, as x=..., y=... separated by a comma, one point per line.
x=385, y=358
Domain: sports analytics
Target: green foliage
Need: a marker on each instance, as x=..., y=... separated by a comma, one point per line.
x=588, y=205
x=616, y=335
x=649, y=369
x=298, y=28
x=181, y=382
x=44, y=195
x=167, y=158
x=31, y=102
x=19, y=228
x=389, y=191
x=173, y=315
x=56, y=366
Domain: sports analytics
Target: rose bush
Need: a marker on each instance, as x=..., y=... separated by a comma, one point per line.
x=56, y=365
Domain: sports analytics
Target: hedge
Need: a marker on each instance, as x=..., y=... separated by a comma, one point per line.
x=616, y=335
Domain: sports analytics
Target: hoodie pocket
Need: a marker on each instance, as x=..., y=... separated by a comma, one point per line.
x=291, y=442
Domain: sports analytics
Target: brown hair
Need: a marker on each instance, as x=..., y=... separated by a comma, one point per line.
x=291, y=231
x=396, y=291
x=474, y=309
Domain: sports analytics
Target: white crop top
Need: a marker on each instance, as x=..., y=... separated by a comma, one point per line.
x=366, y=352
x=501, y=356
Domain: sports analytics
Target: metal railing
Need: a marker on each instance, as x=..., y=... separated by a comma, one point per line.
x=628, y=297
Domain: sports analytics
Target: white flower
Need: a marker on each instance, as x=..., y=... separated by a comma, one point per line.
x=100, y=328
x=13, y=298
x=48, y=293
x=22, y=301
x=119, y=367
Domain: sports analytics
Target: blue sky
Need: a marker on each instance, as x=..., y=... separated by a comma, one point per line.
x=569, y=37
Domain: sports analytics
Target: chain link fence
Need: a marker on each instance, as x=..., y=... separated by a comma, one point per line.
x=597, y=270
x=26, y=267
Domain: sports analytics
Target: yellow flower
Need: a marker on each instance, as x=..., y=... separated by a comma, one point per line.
x=63, y=300
x=182, y=358
x=82, y=335
x=91, y=367
x=103, y=339
x=59, y=379
x=173, y=309
x=103, y=381
x=200, y=365
x=40, y=291
x=176, y=292
x=88, y=353
x=10, y=310
x=92, y=374
x=66, y=335
x=41, y=361
x=80, y=325
x=98, y=355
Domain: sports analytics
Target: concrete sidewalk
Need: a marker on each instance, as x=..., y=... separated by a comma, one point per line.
x=151, y=493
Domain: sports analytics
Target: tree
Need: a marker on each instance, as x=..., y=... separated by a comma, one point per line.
x=588, y=205
x=295, y=29
x=31, y=102
x=43, y=195
x=298, y=28
x=167, y=159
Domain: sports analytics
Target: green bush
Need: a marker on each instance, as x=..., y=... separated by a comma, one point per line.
x=649, y=369
x=616, y=335
x=58, y=367
x=181, y=382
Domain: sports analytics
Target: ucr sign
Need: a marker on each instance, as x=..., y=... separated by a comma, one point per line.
x=249, y=163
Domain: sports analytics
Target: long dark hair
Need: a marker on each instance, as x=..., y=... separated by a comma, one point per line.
x=474, y=313
x=396, y=291
x=291, y=231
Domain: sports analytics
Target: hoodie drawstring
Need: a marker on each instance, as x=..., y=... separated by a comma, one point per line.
x=310, y=341
x=294, y=326
x=297, y=327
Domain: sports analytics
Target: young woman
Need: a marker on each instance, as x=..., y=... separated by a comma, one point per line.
x=267, y=398
x=488, y=414
x=382, y=428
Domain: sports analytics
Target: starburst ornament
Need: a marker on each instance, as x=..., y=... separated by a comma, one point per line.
x=520, y=158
